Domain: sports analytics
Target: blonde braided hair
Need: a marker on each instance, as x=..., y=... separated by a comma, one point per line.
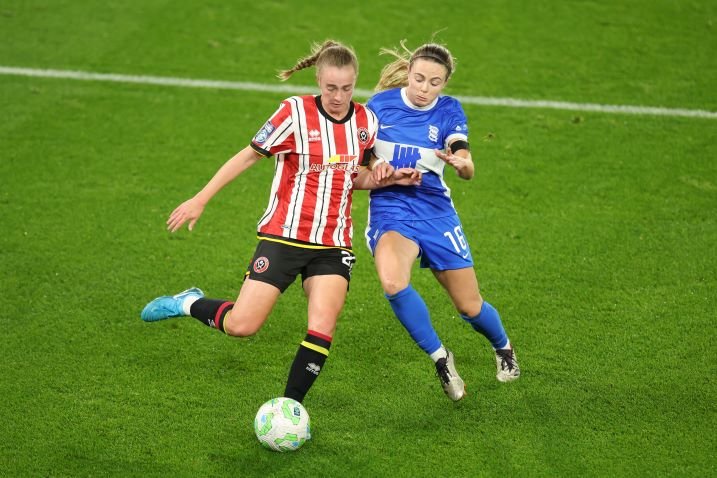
x=328, y=53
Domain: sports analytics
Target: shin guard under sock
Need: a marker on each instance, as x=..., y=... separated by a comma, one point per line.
x=211, y=312
x=411, y=310
x=488, y=323
x=307, y=364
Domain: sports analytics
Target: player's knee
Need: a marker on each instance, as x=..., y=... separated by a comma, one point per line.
x=470, y=308
x=240, y=330
x=392, y=285
x=238, y=326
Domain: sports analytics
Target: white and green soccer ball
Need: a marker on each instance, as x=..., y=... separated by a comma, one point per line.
x=282, y=424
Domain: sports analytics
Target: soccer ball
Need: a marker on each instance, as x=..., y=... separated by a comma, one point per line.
x=282, y=424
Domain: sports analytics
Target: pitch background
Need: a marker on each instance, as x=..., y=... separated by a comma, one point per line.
x=594, y=236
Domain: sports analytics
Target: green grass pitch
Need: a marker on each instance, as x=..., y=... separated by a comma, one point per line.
x=594, y=235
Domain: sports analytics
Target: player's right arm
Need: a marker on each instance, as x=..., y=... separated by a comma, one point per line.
x=191, y=209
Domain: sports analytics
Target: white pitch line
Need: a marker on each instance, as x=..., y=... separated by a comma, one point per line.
x=293, y=90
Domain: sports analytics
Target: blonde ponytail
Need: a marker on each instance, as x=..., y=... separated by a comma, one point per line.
x=395, y=74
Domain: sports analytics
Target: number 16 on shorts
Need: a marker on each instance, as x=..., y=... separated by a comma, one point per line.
x=458, y=241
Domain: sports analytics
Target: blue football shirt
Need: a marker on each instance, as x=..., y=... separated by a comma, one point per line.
x=407, y=137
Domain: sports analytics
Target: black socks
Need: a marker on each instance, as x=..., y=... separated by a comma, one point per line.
x=307, y=364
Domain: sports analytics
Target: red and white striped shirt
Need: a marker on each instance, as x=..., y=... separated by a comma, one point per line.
x=317, y=160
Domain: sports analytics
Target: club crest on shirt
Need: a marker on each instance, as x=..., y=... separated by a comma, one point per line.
x=264, y=132
x=261, y=264
x=363, y=135
x=433, y=133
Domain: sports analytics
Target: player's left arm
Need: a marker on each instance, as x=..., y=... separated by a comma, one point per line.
x=458, y=155
x=396, y=177
x=378, y=173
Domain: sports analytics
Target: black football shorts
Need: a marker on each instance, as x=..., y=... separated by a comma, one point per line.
x=278, y=263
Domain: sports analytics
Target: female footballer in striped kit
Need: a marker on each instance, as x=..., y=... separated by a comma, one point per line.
x=318, y=143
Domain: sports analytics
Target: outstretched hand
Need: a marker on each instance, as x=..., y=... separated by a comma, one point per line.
x=189, y=210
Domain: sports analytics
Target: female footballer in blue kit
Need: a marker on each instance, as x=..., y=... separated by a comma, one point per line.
x=420, y=128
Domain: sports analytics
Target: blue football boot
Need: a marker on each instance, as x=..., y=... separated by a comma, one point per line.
x=168, y=305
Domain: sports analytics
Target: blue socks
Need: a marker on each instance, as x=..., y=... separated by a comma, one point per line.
x=411, y=310
x=488, y=323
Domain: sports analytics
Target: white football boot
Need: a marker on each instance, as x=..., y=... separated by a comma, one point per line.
x=451, y=382
x=507, y=364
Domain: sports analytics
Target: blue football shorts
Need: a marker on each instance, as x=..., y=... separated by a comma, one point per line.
x=441, y=242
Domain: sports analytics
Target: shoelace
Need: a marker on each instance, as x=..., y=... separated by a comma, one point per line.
x=442, y=370
x=506, y=359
